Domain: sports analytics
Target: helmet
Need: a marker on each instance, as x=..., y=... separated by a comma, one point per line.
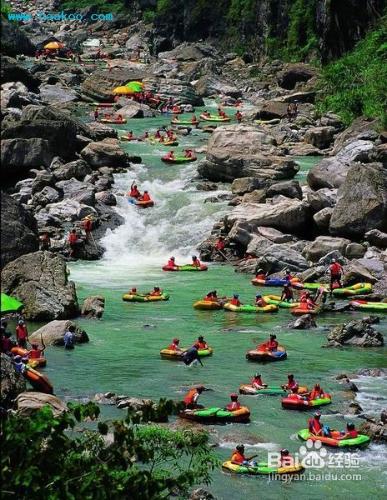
x=290, y=375
x=286, y=285
x=200, y=388
x=172, y=258
x=194, y=257
x=176, y=340
x=235, y=295
x=258, y=295
x=350, y=426
x=157, y=288
x=257, y=375
x=234, y=396
x=284, y=451
x=34, y=346
x=317, y=414
x=333, y=261
x=17, y=358
x=201, y=338
x=273, y=336
x=21, y=322
x=240, y=448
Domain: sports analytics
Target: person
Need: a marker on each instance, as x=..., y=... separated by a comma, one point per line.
x=271, y=344
x=145, y=197
x=192, y=396
x=134, y=192
x=171, y=263
x=201, y=343
x=287, y=293
x=96, y=115
x=19, y=365
x=130, y=135
x=36, y=352
x=235, y=300
x=316, y=427
x=145, y=136
x=69, y=337
x=170, y=155
x=87, y=224
x=133, y=291
x=260, y=274
x=291, y=383
x=209, y=297
x=45, y=242
x=157, y=134
x=350, y=433
x=120, y=118
x=259, y=300
x=6, y=342
x=238, y=116
x=238, y=457
x=321, y=295
x=289, y=111
x=316, y=393
x=188, y=153
x=335, y=270
x=156, y=292
x=235, y=404
x=206, y=114
x=175, y=345
x=194, y=120
x=191, y=356
x=21, y=334
x=288, y=276
x=285, y=460
x=73, y=242
x=195, y=261
x=257, y=383
x=306, y=302
x=220, y=243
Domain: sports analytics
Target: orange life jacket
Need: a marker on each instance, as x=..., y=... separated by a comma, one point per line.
x=190, y=397
x=237, y=458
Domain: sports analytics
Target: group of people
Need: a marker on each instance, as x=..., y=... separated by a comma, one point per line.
x=76, y=240
x=108, y=116
x=188, y=153
x=169, y=135
x=135, y=193
x=156, y=292
x=172, y=262
x=189, y=356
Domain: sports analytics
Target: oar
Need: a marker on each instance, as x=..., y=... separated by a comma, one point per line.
x=223, y=255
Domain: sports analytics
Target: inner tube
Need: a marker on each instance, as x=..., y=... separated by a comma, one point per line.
x=114, y=121
x=38, y=381
x=270, y=308
x=178, y=159
x=215, y=118
x=170, y=143
x=274, y=282
x=358, y=289
x=261, y=469
x=276, y=300
x=217, y=415
x=171, y=354
x=129, y=297
x=249, y=390
x=267, y=356
x=207, y=305
x=334, y=441
x=364, y=305
x=144, y=204
x=33, y=363
x=299, y=311
x=186, y=267
x=293, y=403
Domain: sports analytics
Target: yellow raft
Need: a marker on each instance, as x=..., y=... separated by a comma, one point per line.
x=207, y=305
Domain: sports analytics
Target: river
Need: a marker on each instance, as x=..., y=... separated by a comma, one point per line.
x=123, y=352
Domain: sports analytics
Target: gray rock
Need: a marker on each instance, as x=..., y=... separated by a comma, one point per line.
x=320, y=137
x=12, y=383
x=274, y=235
x=358, y=333
x=355, y=251
x=29, y=402
x=322, y=245
x=20, y=155
x=82, y=192
x=68, y=210
x=40, y=281
x=327, y=259
x=106, y=197
x=290, y=189
x=377, y=431
x=377, y=238
x=257, y=245
x=53, y=333
x=323, y=198
x=45, y=196
x=93, y=307
x=323, y=217
x=57, y=94
x=304, y=322
x=256, y=196
x=201, y=494
x=293, y=74
x=277, y=257
x=134, y=109
x=77, y=169
x=355, y=272
x=373, y=266
x=244, y=185
x=42, y=179
x=105, y=153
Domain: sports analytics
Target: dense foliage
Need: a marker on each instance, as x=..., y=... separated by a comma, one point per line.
x=52, y=457
x=356, y=84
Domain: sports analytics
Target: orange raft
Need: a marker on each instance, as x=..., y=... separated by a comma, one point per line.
x=33, y=362
x=38, y=381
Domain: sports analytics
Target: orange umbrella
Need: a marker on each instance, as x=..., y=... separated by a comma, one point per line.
x=54, y=46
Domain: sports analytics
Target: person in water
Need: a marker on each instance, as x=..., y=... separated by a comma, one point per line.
x=235, y=300
x=235, y=404
x=195, y=261
x=287, y=293
x=285, y=459
x=259, y=301
x=171, y=263
x=321, y=295
x=350, y=433
x=175, y=346
x=156, y=292
x=270, y=345
x=194, y=120
x=257, y=383
x=145, y=197
x=191, y=356
x=134, y=192
x=335, y=271
x=18, y=364
x=145, y=136
x=238, y=457
x=37, y=352
x=316, y=427
x=192, y=396
x=69, y=337
x=201, y=343
x=291, y=383
x=316, y=393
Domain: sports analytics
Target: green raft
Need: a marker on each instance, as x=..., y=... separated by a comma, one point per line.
x=363, y=305
x=276, y=301
x=333, y=440
x=261, y=469
x=358, y=289
x=270, y=308
x=217, y=415
x=269, y=391
x=129, y=297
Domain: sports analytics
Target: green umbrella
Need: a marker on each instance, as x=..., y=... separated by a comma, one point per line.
x=9, y=304
x=135, y=86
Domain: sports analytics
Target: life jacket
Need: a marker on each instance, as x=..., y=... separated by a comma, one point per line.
x=73, y=238
x=135, y=193
x=21, y=332
x=155, y=293
x=272, y=345
x=173, y=347
x=260, y=276
x=201, y=345
x=237, y=458
x=196, y=263
x=257, y=381
x=145, y=197
x=260, y=303
x=171, y=263
x=353, y=434
x=316, y=393
x=190, y=397
x=314, y=425
x=235, y=302
x=35, y=354
x=233, y=406
x=335, y=269
x=87, y=225
x=288, y=293
x=219, y=245
x=292, y=385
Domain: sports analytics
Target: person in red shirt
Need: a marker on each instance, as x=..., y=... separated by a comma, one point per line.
x=270, y=345
x=96, y=115
x=192, y=396
x=6, y=343
x=170, y=155
x=201, y=343
x=315, y=426
x=220, y=243
x=195, y=261
x=21, y=334
x=238, y=116
x=260, y=274
x=286, y=460
x=235, y=404
x=175, y=345
x=134, y=192
x=73, y=242
x=316, y=393
x=335, y=271
x=36, y=352
x=259, y=301
x=87, y=224
x=171, y=263
x=145, y=197
x=287, y=293
x=351, y=432
x=156, y=292
x=194, y=120
x=257, y=383
x=235, y=300
x=291, y=383
x=238, y=457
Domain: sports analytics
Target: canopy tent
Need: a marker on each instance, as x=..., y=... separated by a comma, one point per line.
x=54, y=46
x=123, y=91
x=10, y=304
x=135, y=86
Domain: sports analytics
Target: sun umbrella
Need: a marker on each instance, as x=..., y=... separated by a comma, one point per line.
x=123, y=90
x=53, y=46
x=9, y=304
x=135, y=86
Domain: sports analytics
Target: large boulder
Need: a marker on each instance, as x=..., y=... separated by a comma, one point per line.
x=355, y=272
x=361, y=129
x=358, y=333
x=18, y=156
x=375, y=429
x=179, y=90
x=57, y=94
x=98, y=86
x=53, y=333
x=320, y=137
x=277, y=257
x=244, y=185
x=93, y=307
x=209, y=85
x=293, y=74
x=377, y=238
x=28, y=403
x=12, y=71
x=322, y=218
x=14, y=41
x=323, y=245
x=106, y=153
x=133, y=109
x=270, y=110
x=18, y=230
x=83, y=192
x=290, y=189
x=322, y=198
x=12, y=383
x=361, y=202
x=40, y=281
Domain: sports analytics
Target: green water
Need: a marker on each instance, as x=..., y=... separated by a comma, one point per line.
x=123, y=353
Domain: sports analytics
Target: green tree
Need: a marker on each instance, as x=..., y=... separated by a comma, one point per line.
x=130, y=458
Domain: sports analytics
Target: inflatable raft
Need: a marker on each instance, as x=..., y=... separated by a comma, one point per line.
x=178, y=159
x=207, y=305
x=364, y=305
x=274, y=282
x=249, y=390
x=276, y=300
x=113, y=121
x=215, y=118
x=186, y=267
x=140, y=204
x=129, y=297
x=293, y=403
x=217, y=415
x=267, y=356
x=184, y=122
x=358, y=289
x=127, y=139
x=300, y=311
x=334, y=440
x=261, y=469
x=33, y=363
x=270, y=308
x=38, y=381
x=176, y=356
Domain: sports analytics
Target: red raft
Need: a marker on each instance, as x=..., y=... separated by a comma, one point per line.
x=295, y=402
